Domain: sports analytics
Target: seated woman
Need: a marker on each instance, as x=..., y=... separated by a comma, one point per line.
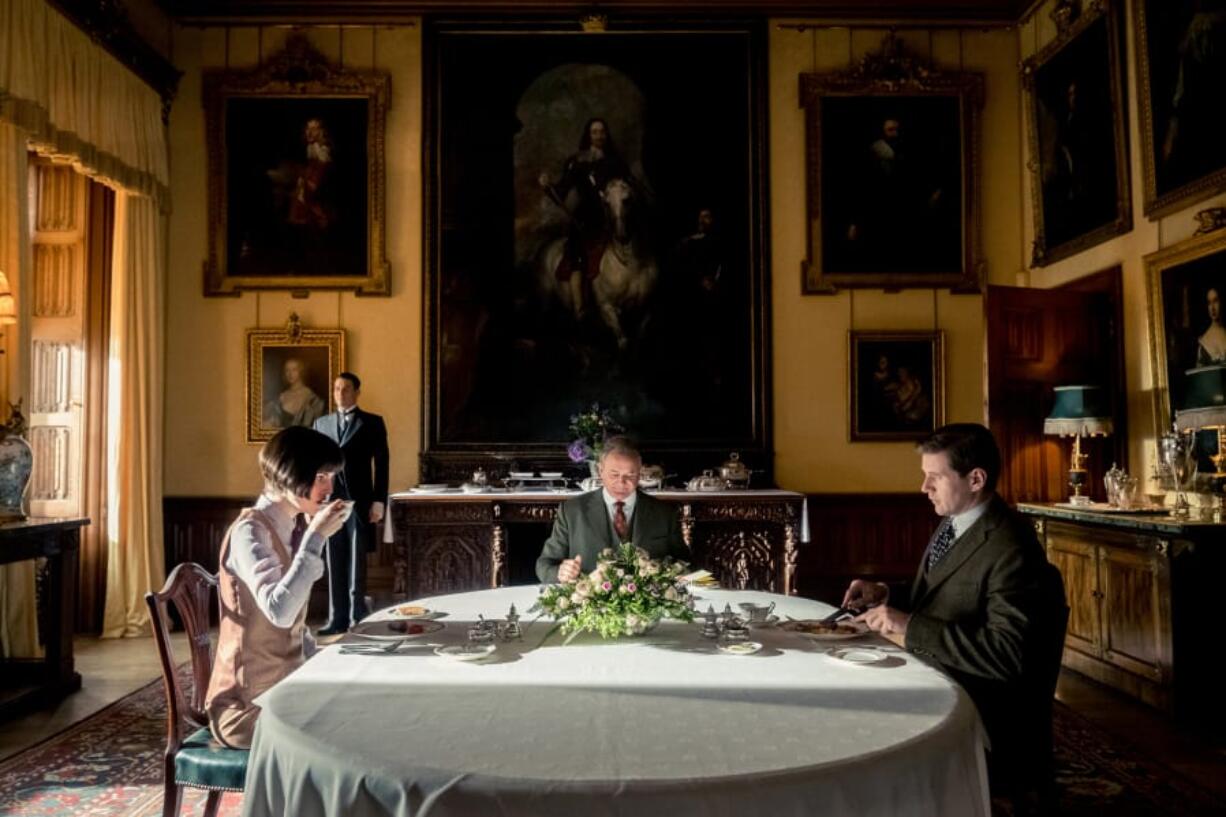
x=269, y=559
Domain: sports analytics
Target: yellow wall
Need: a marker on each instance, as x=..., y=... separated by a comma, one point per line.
x=810, y=332
x=205, y=452
x=206, y=355
x=1128, y=250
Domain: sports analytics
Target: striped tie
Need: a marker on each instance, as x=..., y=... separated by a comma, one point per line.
x=941, y=544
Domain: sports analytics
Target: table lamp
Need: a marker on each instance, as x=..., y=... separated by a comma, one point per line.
x=1205, y=408
x=1078, y=410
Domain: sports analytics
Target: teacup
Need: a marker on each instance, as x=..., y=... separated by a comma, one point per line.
x=756, y=612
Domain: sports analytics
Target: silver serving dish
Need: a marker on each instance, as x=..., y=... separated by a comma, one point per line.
x=707, y=481
x=734, y=473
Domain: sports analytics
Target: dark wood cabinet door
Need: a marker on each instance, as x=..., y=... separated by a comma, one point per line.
x=1136, y=608
x=1078, y=564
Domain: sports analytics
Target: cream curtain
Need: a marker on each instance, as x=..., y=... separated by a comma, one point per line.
x=18, y=622
x=135, y=562
x=73, y=100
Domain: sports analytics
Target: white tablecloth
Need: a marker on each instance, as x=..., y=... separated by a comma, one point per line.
x=661, y=724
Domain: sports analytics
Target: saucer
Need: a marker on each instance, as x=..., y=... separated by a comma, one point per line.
x=769, y=621
x=429, y=488
x=739, y=648
x=551, y=475
x=465, y=652
x=860, y=656
x=520, y=475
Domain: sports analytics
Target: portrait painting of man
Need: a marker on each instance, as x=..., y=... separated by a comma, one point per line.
x=1077, y=138
x=892, y=175
x=295, y=174
x=1181, y=61
x=596, y=236
x=297, y=187
x=895, y=384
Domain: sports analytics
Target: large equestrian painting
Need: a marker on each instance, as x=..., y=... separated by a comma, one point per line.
x=596, y=237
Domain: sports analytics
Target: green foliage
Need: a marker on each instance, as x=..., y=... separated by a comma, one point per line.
x=626, y=594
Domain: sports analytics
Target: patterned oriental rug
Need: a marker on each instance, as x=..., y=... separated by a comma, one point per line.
x=111, y=764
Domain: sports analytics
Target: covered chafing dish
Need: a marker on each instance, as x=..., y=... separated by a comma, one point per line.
x=706, y=482
x=651, y=477
x=734, y=472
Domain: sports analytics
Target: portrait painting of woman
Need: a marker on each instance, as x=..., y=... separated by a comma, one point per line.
x=289, y=379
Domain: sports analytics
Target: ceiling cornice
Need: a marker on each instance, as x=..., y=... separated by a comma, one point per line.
x=987, y=13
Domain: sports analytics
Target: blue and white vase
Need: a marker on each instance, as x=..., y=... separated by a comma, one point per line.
x=16, y=463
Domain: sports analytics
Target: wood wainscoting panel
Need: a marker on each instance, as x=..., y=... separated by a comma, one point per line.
x=874, y=536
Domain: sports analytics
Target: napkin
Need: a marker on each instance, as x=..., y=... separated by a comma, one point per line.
x=700, y=578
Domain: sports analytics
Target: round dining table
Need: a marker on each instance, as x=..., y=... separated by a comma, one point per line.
x=660, y=724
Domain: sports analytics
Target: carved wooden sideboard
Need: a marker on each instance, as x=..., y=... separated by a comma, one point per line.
x=1142, y=592
x=448, y=543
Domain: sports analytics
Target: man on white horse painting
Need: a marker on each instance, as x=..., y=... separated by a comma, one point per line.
x=605, y=252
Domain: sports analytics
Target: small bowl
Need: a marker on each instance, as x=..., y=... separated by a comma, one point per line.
x=740, y=648
x=551, y=475
x=520, y=475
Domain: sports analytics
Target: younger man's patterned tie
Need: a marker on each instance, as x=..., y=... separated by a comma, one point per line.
x=941, y=544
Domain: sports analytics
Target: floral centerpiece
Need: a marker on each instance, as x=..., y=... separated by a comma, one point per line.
x=627, y=594
x=588, y=431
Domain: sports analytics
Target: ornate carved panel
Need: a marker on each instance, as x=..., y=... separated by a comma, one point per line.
x=448, y=560
x=57, y=205
x=52, y=376
x=443, y=513
x=740, y=559
x=54, y=266
x=51, y=478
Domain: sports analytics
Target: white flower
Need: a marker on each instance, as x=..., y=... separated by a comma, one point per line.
x=577, y=597
x=607, y=553
x=583, y=587
x=642, y=554
x=620, y=572
x=649, y=569
x=596, y=576
x=563, y=603
x=633, y=623
x=671, y=594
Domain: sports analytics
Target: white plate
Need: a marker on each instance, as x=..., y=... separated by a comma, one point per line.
x=861, y=629
x=465, y=652
x=858, y=655
x=474, y=489
x=396, y=630
x=430, y=488
x=551, y=475
x=520, y=475
x=417, y=611
x=740, y=648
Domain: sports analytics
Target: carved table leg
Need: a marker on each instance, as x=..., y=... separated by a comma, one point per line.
x=498, y=557
x=790, y=556
x=400, y=564
x=687, y=527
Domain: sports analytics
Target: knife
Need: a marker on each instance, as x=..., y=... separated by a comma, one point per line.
x=838, y=614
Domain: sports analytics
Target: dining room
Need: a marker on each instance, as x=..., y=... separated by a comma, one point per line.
x=730, y=407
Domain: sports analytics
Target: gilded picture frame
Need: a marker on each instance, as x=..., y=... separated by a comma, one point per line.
x=583, y=245
x=1182, y=280
x=896, y=384
x=296, y=176
x=1179, y=78
x=1081, y=192
x=893, y=131
x=289, y=376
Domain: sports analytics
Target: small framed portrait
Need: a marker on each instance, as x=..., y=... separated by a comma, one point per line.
x=1078, y=143
x=896, y=384
x=1181, y=65
x=289, y=376
x=892, y=175
x=1187, y=288
x=295, y=176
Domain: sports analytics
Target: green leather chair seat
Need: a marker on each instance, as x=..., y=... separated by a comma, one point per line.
x=204, y=763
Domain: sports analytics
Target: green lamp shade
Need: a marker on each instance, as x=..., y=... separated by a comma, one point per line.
x=1204, y=398
x=1079, y=410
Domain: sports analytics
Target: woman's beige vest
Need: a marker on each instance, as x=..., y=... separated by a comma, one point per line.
x=252, y=652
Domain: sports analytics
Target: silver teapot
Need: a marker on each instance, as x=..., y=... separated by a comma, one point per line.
x=734, y=472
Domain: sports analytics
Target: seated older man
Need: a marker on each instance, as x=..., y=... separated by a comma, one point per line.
x=616, y=513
